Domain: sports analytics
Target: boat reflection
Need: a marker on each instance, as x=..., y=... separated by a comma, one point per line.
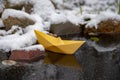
x=61, y=59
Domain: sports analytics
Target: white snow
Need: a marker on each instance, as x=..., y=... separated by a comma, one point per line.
x=9, y=34
x=44, y=8
x=73, y=16
x=33, y=47
x=70, y=4
x=16, y=13
x=56, y=18
x=15, y=28
x=92, y=1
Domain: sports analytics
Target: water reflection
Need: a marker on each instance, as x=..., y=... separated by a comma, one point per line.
x=61, y=59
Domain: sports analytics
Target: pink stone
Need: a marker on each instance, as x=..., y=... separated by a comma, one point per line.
x=27, y=56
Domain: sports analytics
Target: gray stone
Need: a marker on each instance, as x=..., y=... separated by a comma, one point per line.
x=65, y=29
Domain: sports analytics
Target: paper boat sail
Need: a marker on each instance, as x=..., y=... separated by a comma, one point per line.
x=56, y=44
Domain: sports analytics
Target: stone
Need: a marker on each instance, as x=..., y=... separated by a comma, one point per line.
x=28, y=7
x=8, y=62
x=13, y=6
x=108, y=26
x=107, y=32
x=65, y=29
x=23, y=22
x=27, y=56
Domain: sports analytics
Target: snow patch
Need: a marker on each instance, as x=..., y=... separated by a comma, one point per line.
x=57, y=18
x=70, y=4
x=15, y=30
x=33, y=47
x=16, y=41
x=73, y=16
x=44, y=8
x=16, y=13
x=9, y=34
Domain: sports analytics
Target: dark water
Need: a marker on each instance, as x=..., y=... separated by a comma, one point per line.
x=86, y=64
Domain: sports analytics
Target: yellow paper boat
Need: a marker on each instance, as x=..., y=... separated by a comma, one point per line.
x=56, y=44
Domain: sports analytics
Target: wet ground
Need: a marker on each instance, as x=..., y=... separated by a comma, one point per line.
x=86, y=64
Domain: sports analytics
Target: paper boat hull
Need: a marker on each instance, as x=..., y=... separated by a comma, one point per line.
x=57, y=45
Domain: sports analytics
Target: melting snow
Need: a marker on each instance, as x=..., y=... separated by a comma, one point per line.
x=33, y=47
x=16, y=13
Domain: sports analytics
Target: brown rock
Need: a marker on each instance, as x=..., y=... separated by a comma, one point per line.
x=65, y=29
x=23, y=22
x=108, y=33
x=27, y=56
x=17, y=7
x=109, y=26
x=28, y=7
